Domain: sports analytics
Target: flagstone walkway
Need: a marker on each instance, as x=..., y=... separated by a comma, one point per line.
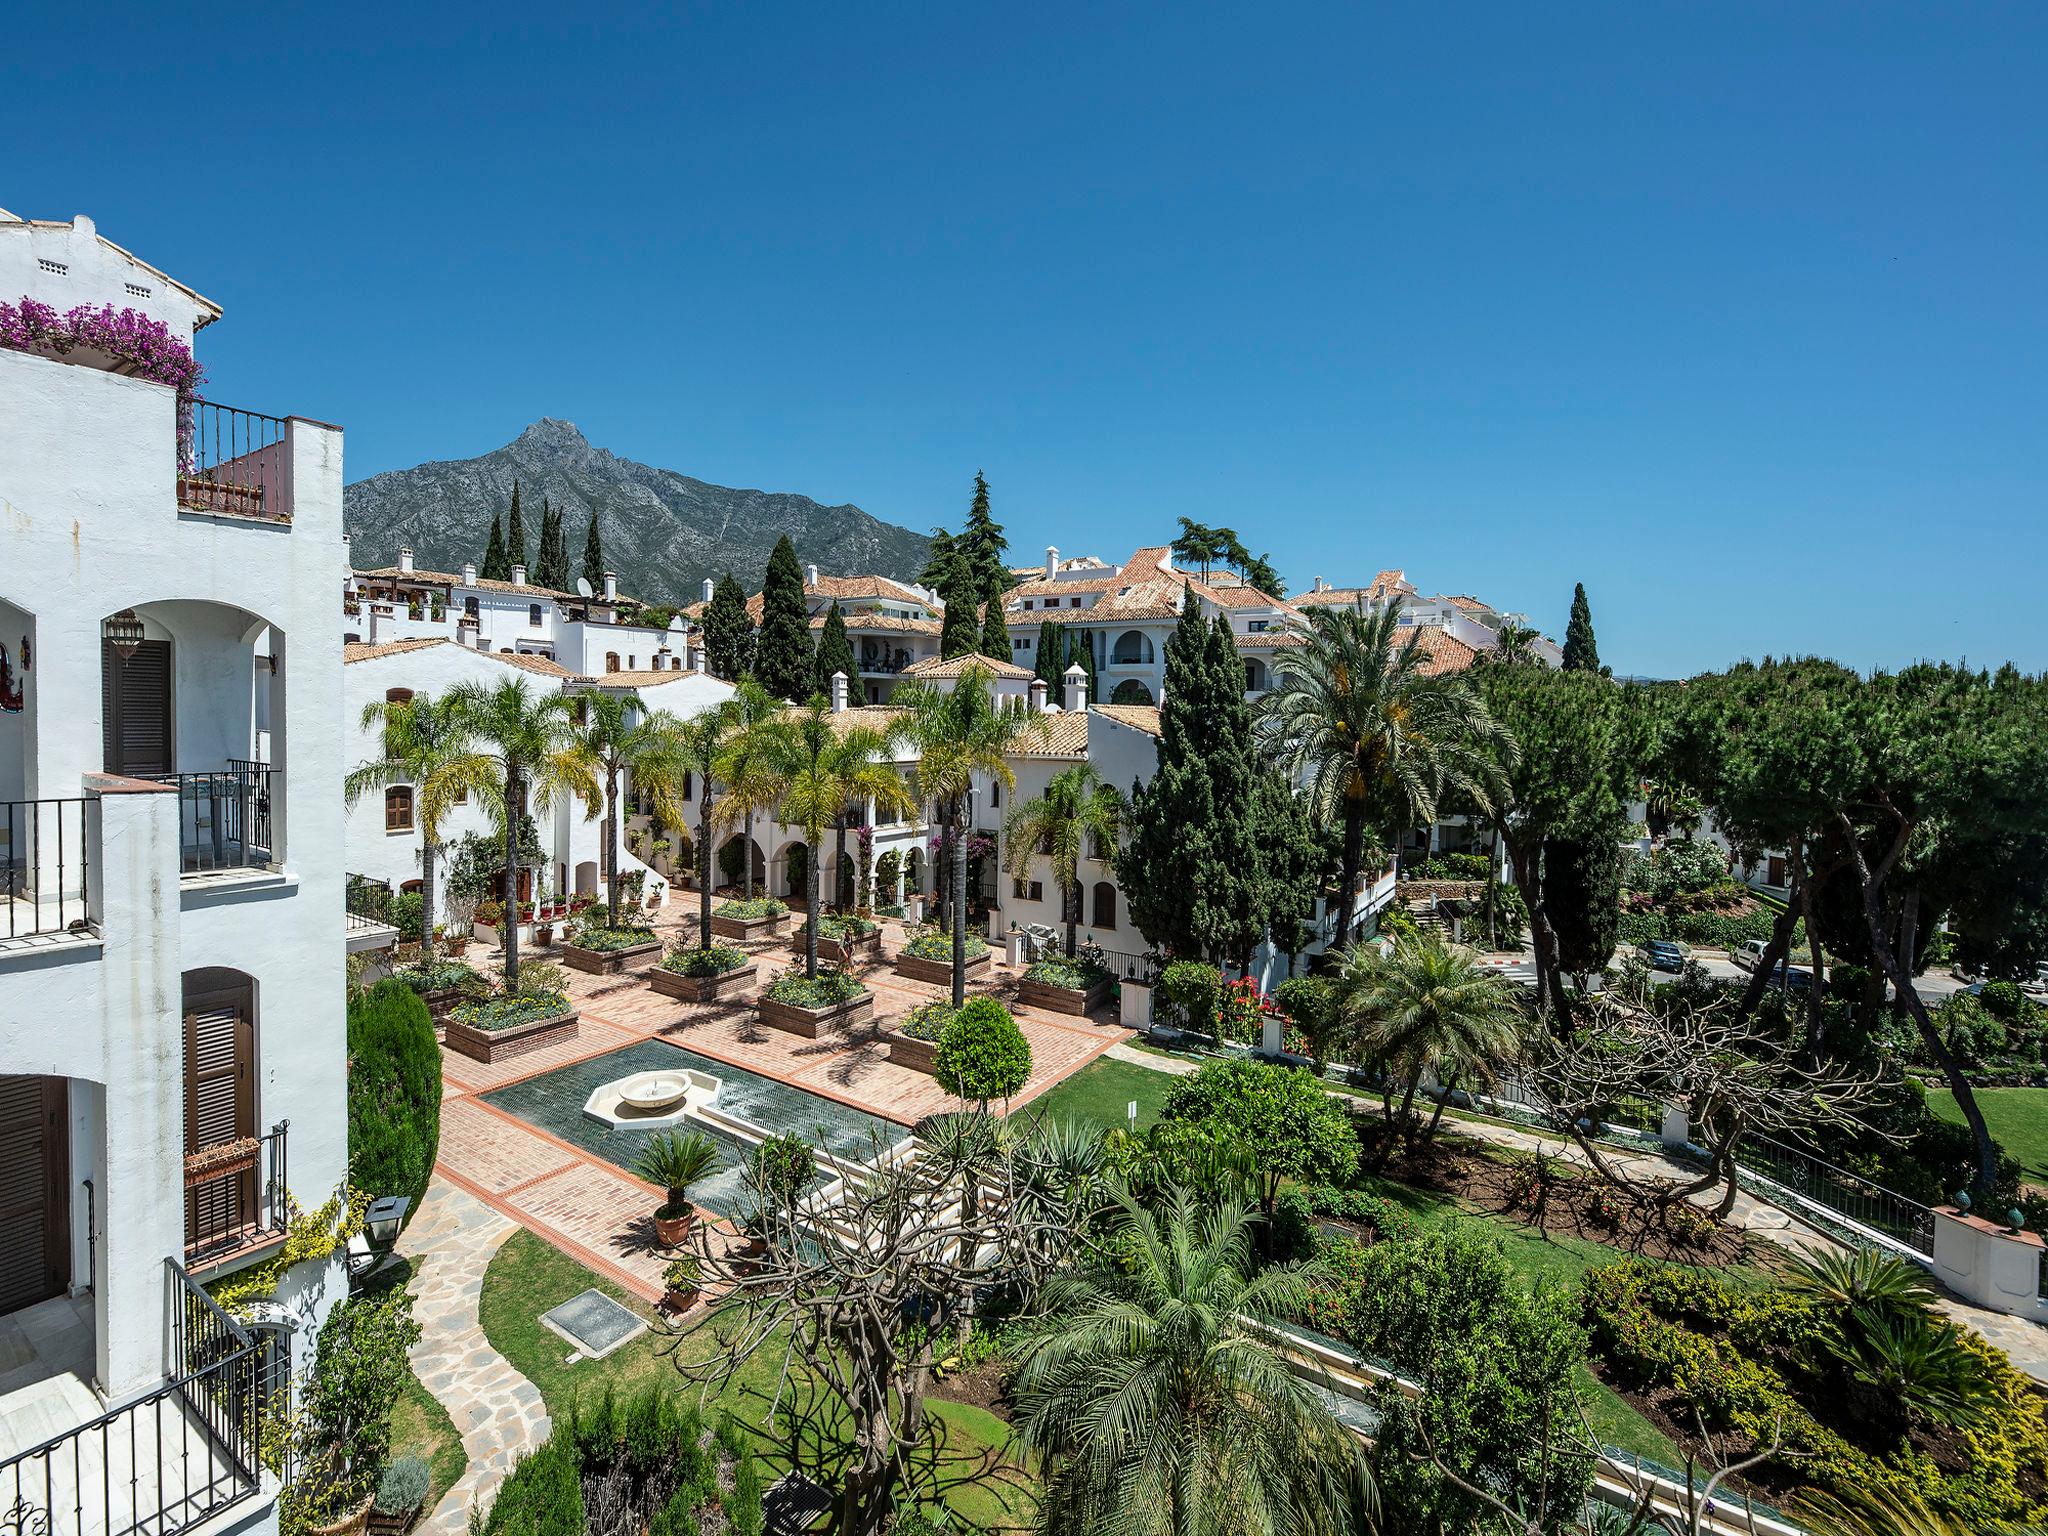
x=496, y=1410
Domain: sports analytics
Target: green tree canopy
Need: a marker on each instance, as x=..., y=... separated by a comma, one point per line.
x=593, y=554
x=497, y=564
x=982, y=1054
x=835, y=654
x=784, y=660
x=1580, y=653
x=728, y=631
x=515, y=534
x=1296, y=1129
x=394, y=1092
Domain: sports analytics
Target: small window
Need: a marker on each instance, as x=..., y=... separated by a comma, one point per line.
x=398, y=808
x=54, y=268
x=533, y=615
x=995, y=794
x=461, y=797
x=1027, y=605
x=1027, y=890
x=137, y=291
x=469, y=608
x=1105, y=905
x=611, y=661
x=689, y=786
x=1073, y=602
x=632, y=663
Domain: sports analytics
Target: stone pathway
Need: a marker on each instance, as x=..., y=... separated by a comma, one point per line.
x=497, y=1411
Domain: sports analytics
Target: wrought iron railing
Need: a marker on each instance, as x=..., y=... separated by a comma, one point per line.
x=1130, y=967
x=168, y=1461
x=235, y=1195
x=369, y=903
x=224, y=818
x=44, y=883
x=1850, y=1195
x=235, y=463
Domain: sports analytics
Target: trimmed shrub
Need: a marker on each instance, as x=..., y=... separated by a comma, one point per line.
x=760, y=906
x=937, y=944
x=1188, y=990
x=394, y=1092
x=685, y=960
x=823, y=990
x=982, y=1054
x=408, y=913
x=927, y=1021
x=1076, y=975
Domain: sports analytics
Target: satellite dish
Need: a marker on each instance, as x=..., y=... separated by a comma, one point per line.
x=583, y=586
x=675, y=624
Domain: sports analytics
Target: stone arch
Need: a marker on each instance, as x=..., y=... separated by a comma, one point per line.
x=1131, y=691
x=1133, y=648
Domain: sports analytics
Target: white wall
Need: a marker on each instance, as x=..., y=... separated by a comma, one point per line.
x=96, y=275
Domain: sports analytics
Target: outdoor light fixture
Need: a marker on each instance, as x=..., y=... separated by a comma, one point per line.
x=385, y=1216
x=123, y=631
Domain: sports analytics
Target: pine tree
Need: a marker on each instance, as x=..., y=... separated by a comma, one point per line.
x=938, y=561
x=515, y=534
x=593, y=555
x=496, y=567
x=785, y=662
x=835, y=654
x=982, y=544
x=728, y=631
x=995, y=634
x=1580, y=653
x=1184, y=869
x=1052, y=659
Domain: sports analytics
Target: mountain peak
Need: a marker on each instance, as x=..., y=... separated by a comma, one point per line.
x=552, y=432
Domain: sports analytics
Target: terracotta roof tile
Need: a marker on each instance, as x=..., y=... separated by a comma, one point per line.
x=1064, y=735
x=1139, y=717
x=356, y=650
x=932, y=667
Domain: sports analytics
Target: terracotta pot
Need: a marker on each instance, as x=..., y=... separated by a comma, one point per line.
x=351, y=1524
x=674, y=1231
x=681, y=1301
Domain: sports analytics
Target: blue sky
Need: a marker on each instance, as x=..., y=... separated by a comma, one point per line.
x=1735, y=313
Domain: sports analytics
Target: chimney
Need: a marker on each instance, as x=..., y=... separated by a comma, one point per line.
x=1321, y=585
x=1077, y=688
x=611, y=586
x=708, y=586
x=699, y=662
x=810, y=575
x=348, y=562
x=519, y=575
x=469, y=573
x=838, y=692
x=1038, y=695
x=405, y=559
x=1052, y=561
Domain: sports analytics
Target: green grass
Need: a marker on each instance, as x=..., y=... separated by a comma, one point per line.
x=1100, y=1092
x=2018, y=1118
x=420, y=1426
x=529, y=1275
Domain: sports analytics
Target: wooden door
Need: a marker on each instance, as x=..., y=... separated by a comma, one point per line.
x=135, y=708
x=220, y=1107
x=35, y=1208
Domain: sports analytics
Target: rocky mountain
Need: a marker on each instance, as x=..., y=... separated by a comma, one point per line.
x=663, y=532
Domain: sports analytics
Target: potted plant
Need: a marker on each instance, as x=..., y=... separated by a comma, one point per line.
x=341, y=1437
x=682, y=1281
x=675, y=1160
x=400, y=1493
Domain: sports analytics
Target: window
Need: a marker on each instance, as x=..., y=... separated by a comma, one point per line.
x=533, y=615
x=632, y=663
x=398, y=808
x=461, y=797
x=1073, y=602
x=611, y=661
x=1027, y=605
x=689, y=786
x=1256, y=626
x=469, y=608
x=995, y=794
x=1105, y=905
x=1027, y=890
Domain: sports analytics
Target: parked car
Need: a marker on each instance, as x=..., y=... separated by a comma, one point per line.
x=1792, y=978
x=1749, y=955
x=1663, y=954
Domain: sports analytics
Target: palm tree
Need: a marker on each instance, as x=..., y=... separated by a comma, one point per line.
x=1428, y=1006
x=960, y=733
x=1156, y=1394
x=618, y=734
x=700, y=743
x=1374, y=737
x=816, y=765
x=739, y=765
x=528, y=738
x=1514, y=645
x=1076, y=806
x=427, y=745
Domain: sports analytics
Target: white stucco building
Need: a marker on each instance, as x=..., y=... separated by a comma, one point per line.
x=172, y=1043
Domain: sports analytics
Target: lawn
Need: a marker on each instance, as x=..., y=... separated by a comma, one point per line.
x=1101, y=1093
x=420, y=1426
x=529, y=1275
x=2018, y=1118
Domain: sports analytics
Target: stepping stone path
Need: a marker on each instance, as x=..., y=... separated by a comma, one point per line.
x=497, y=1411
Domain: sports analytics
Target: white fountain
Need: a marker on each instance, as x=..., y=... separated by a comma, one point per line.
x=651, y=1098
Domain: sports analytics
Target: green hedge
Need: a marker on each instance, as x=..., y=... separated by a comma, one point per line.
x=394, y=1092
x=823, y=990
x=684, y=960
x=760, y=906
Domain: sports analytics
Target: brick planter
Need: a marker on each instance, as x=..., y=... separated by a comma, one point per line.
x=918, y=1055
x=744, y=928
x=809, y=1021
x=610, y=962
x=1036, y=994
x=940, y=972
x=702, y=989
x=488, y=1045
x=840, y=951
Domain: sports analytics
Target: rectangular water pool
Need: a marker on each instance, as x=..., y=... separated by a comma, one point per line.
x=554, y=1101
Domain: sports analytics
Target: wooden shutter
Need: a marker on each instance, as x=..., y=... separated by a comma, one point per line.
x=220, y=1106
x=135, y=704
x=35, y=1233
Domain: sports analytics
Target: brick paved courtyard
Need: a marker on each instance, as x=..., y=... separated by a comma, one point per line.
x=603, y=1215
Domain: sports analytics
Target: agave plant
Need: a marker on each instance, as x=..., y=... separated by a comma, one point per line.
x=1862, y=1280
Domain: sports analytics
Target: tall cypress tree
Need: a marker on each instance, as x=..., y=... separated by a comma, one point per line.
x=544, y=572
x=960, y=627
x=835, y=654
x=1052, y=658
x=939, y=555
x=982, y=544
x=1580, y=653
x=995, y=634
x=593, y=555
x=496, y=567
x=728, y=631
x=785, y=662
x=1081, y=648
x=515, y=534
x=1582, y=897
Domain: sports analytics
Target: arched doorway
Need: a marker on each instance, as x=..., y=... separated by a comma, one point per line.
x=732, y=862
x=1131, y=691
x=795, y=862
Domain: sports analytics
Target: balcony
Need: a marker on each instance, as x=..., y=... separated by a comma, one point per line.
x=370, y=905
x=236, y=464
x=178, y=1456
x=235, y=1197
x=224, y=817
x=45, y=879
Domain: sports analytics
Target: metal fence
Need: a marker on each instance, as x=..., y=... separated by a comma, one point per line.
x=43, y=866
x=1129, y=967
x=234, y=462
x=238, y=1200
x=224, y=818
x=1847, y=1194
x=369, y=903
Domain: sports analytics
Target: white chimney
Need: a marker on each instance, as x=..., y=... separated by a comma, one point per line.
x=611, y=586
x=1038, y=695
x=519, y=575
x=1321, y=585
x=347, y=558
x=1052, y=561
x=699, y=662
x=708, y=587
x=469, y=573
x=838, y=692
x=1077, y=688
x=810, y=575
x=405, y=559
